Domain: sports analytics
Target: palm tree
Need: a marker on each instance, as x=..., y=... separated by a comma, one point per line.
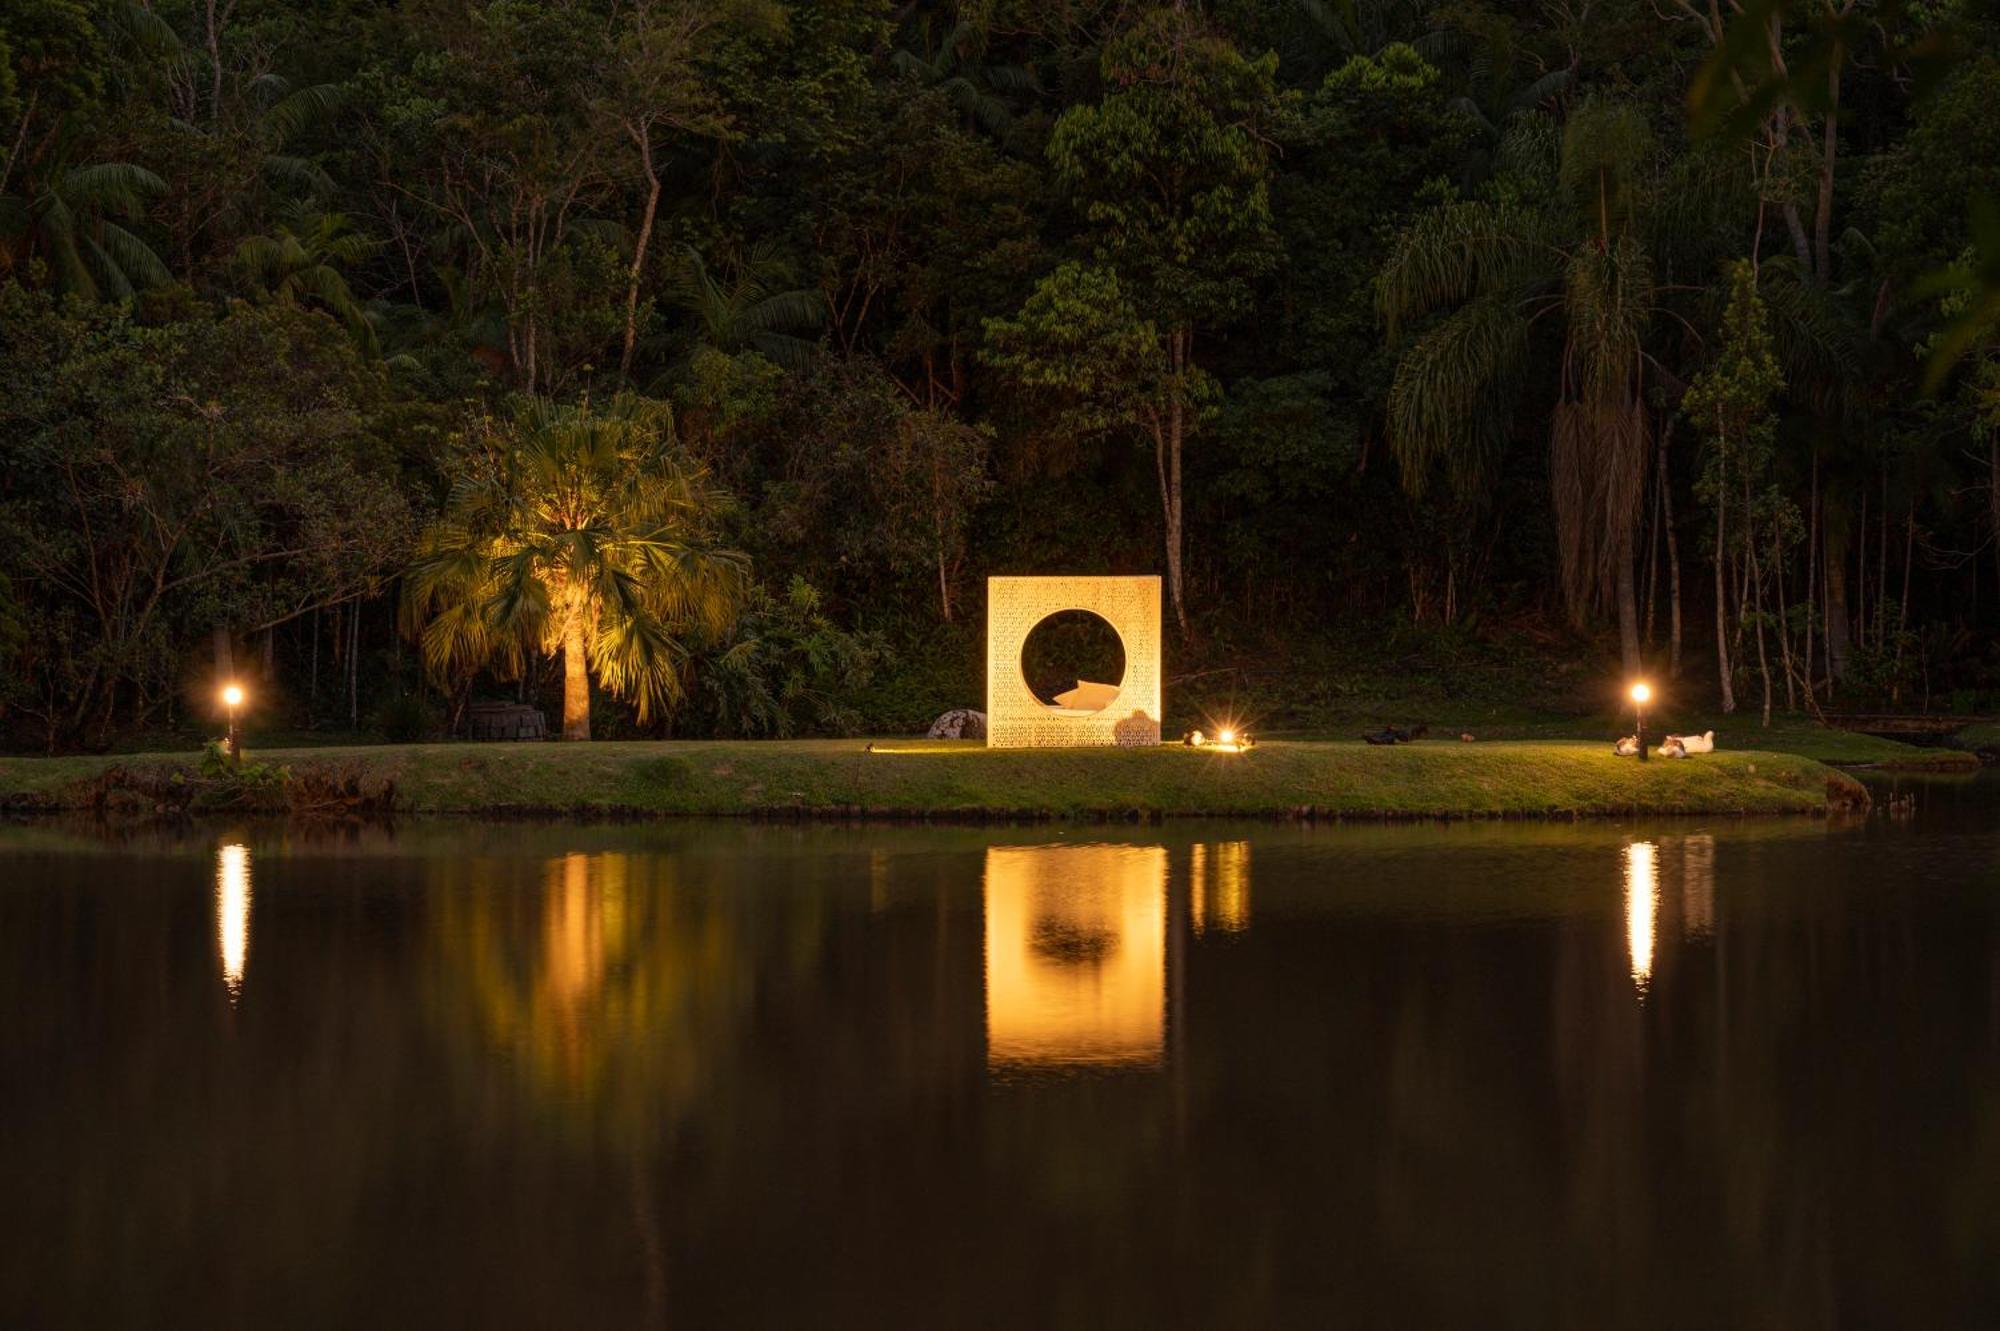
x=584, y=531
x=1572, y=239
x=956, y=65
x=300, y=263
x=740, y=311
x=69, y=218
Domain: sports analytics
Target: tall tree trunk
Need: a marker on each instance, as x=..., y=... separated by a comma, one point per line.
x=225, y=656
x=354, y=667
x=1752, y=608
x=1829, y=148
x=312, y=689
x=1653, y=569
x=576, y=681
x=642, y=136
x=1722, y=593
x=1993, y=492
x=1673, y=556
x=1861, y=573
x=1812, y=571
x=1784, y=623
x=1835, y=608
x=1628, y=612
x=1168, y=458
x=1882, y=571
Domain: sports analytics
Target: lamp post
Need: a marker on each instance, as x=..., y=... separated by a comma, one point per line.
x=1641, y=694
x=232, y=698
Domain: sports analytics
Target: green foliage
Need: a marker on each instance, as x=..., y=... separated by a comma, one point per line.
x=784, y=670
x=1732, y=397
x=1171, y=168
x=245, y=780
x=1373, y=311
x=406, y=718
x=226, y=471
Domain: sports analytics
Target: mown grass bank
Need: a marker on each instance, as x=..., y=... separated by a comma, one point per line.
x=912, y=779
x=1794, y=735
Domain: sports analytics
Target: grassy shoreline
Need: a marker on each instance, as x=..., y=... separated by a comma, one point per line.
x=904, y=778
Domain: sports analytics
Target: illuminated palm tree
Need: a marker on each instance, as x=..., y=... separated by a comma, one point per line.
x=581, y=530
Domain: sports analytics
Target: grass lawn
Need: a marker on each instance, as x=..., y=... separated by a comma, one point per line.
x=1435, y=778
x=1795, y=735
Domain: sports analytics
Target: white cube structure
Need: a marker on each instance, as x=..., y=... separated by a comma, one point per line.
x=1016, y=718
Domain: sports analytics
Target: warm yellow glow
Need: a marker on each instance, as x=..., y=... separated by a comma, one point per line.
x=232, y=696
x=1642, y=692
x=1225, y=736
x=232, y=914
x=1016, y=718
x=1219, y=884
x=1642, y=904
x=1076, y=955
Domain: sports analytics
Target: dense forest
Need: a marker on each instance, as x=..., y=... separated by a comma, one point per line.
x=692, y=362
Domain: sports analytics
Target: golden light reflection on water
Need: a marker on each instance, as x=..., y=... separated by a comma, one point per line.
x=232, y=914
x=583, y=925
x=1076, y=955
x=1219, y=886
x=1642, y=904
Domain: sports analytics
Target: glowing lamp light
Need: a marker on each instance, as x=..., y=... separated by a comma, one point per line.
x=1225, y=736
x=232, y=698
x=1641, y=693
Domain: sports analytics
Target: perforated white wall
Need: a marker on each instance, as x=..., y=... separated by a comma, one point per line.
x=1016, y=718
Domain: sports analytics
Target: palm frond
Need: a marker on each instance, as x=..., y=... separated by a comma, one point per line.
x=1451, y=403
x=113, y=187
x=294, y=113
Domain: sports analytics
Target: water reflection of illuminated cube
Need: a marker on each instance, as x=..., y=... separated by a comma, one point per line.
x=1076, y=961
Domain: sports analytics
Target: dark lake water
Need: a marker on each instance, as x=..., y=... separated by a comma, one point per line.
x=1674, y=1074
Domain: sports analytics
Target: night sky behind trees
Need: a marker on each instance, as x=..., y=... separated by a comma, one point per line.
x=1402, y=339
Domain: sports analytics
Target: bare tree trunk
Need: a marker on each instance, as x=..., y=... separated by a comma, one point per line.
x=1784, y=624
x=354, y=666
x=1903, y=605
x=576, y=681
x=1882, y=570
x=1722, y=594
x=642, y=135
x=1653, y=568
x=1861, y=573
x=1673, y=556
x=225, y=656
x=214, y=35
x=1993, y=492
x=1628, y=613
x=1834, y=607
x=1812, y=569
x=312, y=691
x=1170, y=475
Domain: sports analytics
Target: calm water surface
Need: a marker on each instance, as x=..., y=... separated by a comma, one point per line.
x=1674, y=1074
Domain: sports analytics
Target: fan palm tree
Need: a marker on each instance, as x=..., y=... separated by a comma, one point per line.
x=583, y=531
x=1573, y=240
